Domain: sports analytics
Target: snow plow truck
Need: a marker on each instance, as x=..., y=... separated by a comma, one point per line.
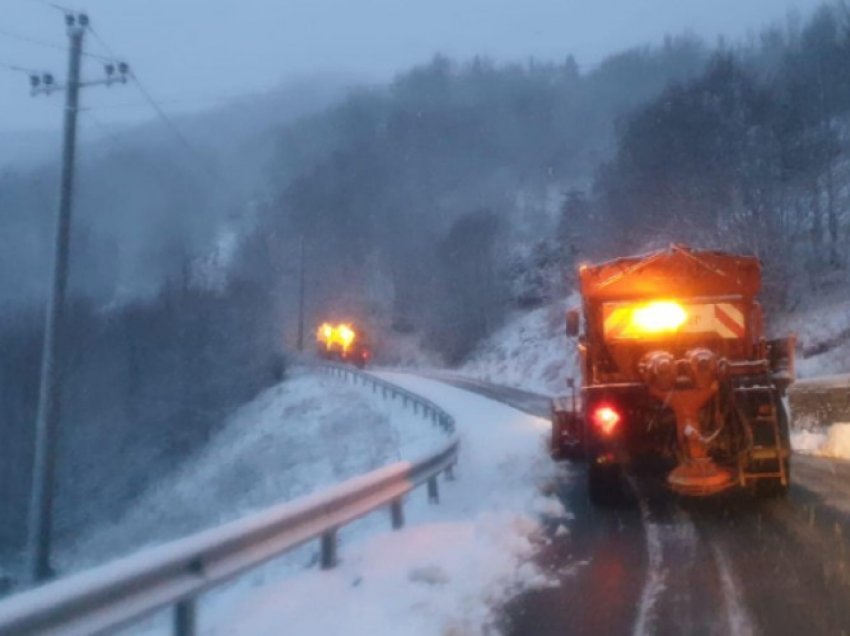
x=676, y=370
x=343, y=343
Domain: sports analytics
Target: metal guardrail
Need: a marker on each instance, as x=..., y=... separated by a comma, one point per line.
x=175, y=574
x=389, y=390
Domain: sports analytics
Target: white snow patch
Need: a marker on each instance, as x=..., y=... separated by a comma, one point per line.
x=740, y=622
x=453, y=564
x=655, y=582
x=807, y=441
x=530, y=352
x=833, y=442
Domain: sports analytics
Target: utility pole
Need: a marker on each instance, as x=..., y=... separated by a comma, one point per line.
x=50, y=387
x=301, y=294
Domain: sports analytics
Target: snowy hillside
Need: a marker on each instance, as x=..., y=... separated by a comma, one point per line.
x=295, y=438
x=530, y=352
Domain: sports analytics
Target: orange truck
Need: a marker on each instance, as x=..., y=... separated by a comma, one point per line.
x=677, y=374
x=342, y=342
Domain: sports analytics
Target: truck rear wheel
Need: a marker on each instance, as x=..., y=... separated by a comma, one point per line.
x=604, y=483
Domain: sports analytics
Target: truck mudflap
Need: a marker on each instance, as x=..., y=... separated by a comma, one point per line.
x=567, y=441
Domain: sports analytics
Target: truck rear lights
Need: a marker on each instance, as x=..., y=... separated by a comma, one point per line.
x=606, y=419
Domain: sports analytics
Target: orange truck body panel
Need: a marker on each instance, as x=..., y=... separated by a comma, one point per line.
x=674, y=355
x=717, y=289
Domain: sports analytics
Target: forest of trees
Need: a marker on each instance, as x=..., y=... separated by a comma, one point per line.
x=749, y=156
x=146, y=386
x=431, y=206
x=429, y=192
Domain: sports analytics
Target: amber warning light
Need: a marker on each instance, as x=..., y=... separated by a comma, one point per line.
x=636, y=320
x=659, y=317
x=333, y=337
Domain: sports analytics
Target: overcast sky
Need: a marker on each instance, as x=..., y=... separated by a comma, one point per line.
x=189, y=52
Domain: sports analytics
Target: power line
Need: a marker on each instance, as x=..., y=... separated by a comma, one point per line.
x=174, y=129
x=159, y=111
x=102, y=127
x=18, y=69
x=53, y=5
x=47, y=44
x=103, y=43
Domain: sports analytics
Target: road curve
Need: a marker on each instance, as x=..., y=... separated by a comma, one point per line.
x=659, y=564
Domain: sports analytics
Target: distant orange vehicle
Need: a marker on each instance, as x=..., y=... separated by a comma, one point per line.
x=675, y=365
x=342, y=342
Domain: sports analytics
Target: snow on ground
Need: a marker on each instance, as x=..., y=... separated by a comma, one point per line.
x=530, y=352
x=295, y=438
x=832, y=442
x=447, y=570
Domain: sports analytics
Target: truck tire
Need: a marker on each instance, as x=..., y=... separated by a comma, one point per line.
x=604, y=484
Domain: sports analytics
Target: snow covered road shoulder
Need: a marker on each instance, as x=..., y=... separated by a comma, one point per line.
x=450, y=568
x=832, y=442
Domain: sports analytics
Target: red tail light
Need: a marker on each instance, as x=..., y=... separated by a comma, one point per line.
x=606, y=418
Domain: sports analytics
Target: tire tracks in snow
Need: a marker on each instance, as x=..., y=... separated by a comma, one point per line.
x=688, y=577
x=690, y=585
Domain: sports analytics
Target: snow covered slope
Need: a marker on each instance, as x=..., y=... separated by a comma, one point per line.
x=451, y=565
x=295, y=438
x=530, y=352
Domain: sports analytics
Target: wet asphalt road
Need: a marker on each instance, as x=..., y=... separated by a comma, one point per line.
x=660, y=564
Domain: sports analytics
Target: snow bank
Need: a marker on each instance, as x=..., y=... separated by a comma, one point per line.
x=530, y=352
x=833, y=442
x=452, y=564
x=293, y=439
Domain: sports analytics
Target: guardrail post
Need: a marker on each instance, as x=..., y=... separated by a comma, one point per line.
x=397, y=514
x=184, y=618
x=433, y=490
x=328, y=557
